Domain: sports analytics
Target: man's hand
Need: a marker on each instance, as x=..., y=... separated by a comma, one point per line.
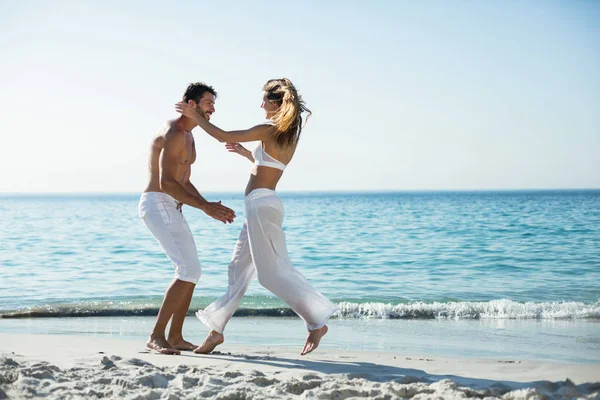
x=219, y=212
x=188, y=110
x=239, y=149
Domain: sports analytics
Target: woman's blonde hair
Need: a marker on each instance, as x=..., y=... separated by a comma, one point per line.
x=288, y=117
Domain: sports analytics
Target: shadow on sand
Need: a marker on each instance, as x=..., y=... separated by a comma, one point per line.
x=387, y=373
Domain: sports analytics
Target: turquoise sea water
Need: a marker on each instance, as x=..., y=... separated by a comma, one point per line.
x=398, y=255
x=487, y=274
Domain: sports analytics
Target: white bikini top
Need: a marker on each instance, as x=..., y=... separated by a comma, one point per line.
x=263, y=159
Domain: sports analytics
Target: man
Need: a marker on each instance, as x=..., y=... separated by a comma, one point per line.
x=171, y=157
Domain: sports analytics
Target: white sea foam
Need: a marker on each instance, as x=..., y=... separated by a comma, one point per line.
x=495, y=309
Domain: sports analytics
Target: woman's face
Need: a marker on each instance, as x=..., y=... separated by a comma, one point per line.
x=269, y=107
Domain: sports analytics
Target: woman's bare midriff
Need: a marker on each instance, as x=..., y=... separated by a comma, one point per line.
x=263, y=178
x=268, y=177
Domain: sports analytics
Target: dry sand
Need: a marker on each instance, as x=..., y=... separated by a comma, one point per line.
x=73, y=367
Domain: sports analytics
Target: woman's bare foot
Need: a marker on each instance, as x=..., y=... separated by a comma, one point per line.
x=181, y=344
x=313, y=339
x=161, y=345
x=213, y=339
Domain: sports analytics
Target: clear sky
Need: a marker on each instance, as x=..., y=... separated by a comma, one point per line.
x=406, y=95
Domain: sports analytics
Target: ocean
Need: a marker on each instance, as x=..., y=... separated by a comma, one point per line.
x=397, y=261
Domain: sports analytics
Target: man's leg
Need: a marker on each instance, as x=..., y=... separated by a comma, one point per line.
x=171, y=230
x=175, y=337
x=188, y=272
x=171, y=304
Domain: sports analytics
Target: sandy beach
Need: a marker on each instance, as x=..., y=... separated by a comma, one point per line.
x=70, y=367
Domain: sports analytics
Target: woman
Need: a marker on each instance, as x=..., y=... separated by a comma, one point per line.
x=261, y=248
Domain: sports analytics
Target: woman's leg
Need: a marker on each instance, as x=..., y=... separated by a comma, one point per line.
x=275, y=270
x=241, y=273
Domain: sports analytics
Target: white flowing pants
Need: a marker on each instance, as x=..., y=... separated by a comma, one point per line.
x=261, y=251
x=171, y=230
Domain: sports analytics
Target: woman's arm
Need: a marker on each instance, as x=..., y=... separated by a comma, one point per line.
x=258, y=132
x=239, y=149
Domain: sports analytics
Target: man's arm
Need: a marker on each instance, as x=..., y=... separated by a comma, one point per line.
x=191, y=188
x=169, y=161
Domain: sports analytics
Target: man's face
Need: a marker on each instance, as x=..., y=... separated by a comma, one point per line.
x=206, y=106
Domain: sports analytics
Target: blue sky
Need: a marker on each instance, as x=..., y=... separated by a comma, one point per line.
x=405, y=95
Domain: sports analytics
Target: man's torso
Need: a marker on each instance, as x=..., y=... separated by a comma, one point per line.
x=185, y=160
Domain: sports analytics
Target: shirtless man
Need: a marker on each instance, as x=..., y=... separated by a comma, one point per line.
x=171, y=157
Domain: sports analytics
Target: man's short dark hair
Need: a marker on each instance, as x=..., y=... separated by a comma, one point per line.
x=196, y=90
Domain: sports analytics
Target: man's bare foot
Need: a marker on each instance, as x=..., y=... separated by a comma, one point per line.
x=181, y=344
x=313, y=339
x=161, y=345
x=213, y=339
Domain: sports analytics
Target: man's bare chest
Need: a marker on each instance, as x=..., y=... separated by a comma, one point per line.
x=188, y=153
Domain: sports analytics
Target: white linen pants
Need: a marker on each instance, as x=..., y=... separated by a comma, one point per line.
x=261, y=251
x=168, y=225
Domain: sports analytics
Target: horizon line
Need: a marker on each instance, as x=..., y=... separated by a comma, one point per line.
x=334, y=191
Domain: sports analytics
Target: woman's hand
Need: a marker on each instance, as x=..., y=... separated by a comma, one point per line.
x=239, y=149
x=189, y=111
